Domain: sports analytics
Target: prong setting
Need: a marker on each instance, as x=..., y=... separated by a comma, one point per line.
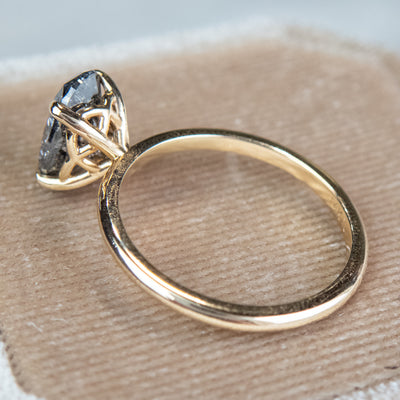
x=89, y=135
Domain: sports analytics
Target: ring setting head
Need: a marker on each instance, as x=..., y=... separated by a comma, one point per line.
x=86, y=130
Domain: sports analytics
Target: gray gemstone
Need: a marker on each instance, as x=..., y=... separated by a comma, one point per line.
x=79, y=92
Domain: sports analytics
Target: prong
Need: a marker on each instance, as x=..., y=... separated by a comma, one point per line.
x=77, y=125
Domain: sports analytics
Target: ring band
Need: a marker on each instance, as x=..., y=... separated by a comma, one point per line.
x=206, y=309
x=223, y=314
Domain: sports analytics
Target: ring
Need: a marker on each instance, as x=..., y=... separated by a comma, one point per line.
x=86, y=138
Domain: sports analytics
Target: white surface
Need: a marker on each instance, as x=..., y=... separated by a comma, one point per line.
x=383, y=391
x=100, y=57
x=44, y=26
x=74, y=61
x=8, y=388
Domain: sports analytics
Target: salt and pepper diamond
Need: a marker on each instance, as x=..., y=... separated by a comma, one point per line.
x=82, y=91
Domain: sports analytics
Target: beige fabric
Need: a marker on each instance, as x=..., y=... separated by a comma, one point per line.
x=76, y=327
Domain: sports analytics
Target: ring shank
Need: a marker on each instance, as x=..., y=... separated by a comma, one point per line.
x=230, y=315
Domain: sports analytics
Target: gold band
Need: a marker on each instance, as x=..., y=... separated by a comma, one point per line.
x=223, y=314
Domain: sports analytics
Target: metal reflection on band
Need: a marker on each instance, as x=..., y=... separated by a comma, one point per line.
x=224, y=314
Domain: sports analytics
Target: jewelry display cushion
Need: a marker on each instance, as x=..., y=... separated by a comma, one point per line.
x=227, y=226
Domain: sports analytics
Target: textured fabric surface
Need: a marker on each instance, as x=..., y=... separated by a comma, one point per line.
x=76, y=327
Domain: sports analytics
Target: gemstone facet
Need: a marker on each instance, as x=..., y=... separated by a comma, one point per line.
x=82, y=91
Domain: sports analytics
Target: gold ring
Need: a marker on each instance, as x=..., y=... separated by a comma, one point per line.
x=86, y=137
